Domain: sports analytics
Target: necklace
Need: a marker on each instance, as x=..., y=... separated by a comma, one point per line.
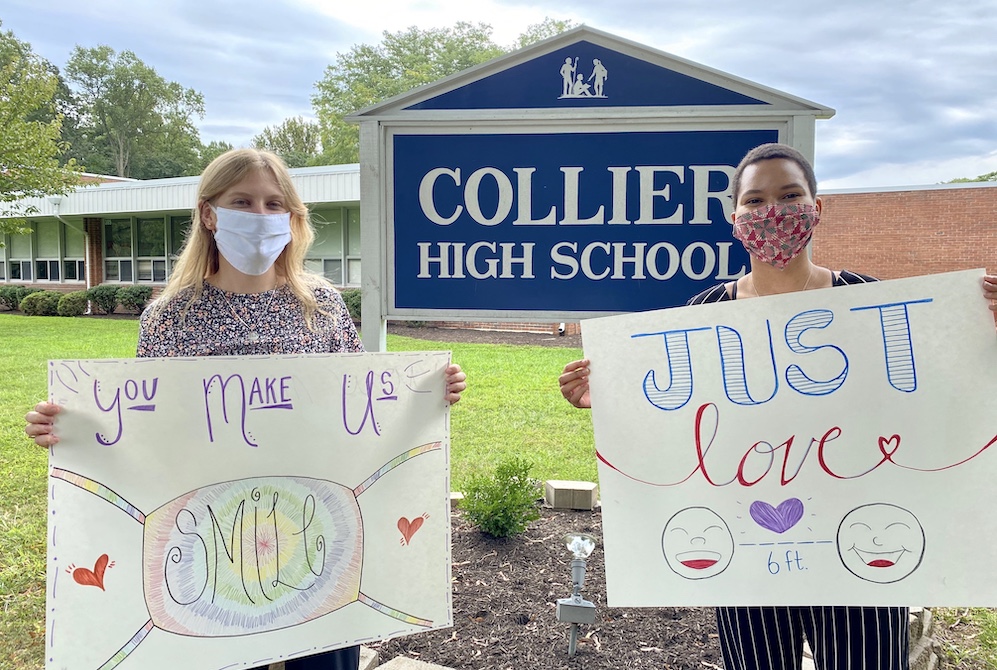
x=252, y=336
x=751, y=278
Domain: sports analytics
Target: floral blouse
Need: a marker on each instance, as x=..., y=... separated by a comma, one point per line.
x=220, y=323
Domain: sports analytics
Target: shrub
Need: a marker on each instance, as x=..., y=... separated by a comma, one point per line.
x=73, y=304
x=352, y=297
x=104, y=297
x=134, y=298
x=41, y=303
x=503, y=504
x=11, y=296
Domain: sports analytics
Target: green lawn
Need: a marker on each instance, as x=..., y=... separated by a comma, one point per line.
x=512, y=407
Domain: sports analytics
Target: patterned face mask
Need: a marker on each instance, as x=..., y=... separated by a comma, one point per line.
x=776, y=234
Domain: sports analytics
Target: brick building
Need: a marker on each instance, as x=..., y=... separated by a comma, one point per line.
x=908, y=231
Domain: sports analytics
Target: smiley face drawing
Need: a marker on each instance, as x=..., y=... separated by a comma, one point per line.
x=697, y=543
x=880, y=542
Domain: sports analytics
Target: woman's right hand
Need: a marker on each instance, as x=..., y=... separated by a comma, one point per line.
x=41, y=424
x=574, y=383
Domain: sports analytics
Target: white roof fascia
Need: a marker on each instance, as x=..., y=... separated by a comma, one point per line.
x=316, y=185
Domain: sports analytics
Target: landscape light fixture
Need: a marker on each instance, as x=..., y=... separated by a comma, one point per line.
x=576, y=610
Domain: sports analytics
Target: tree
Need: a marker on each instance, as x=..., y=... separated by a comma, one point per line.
x=990, y=176
x=137, y=123
x=538, y=32
x=30, y=140
x=296, y=140
x=368, y=74
x=213, y=150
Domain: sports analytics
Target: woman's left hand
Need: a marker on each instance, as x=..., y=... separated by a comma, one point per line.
x=990, y=290
x=456, y=383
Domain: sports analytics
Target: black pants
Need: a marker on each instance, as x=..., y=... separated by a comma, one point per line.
x=341, y=659
x=841, y=638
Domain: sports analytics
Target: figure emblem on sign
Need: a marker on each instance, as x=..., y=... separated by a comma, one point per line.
x=575, y=85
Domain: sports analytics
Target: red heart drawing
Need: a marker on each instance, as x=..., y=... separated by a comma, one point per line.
x=408, y=528
x=94, y=577
x=885, y=444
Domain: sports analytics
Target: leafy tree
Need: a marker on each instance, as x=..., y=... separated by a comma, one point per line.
x=538, y=32
x=30, y=127
x=368, y=74
x=296, y=140
x=213, y=150
x=135, y=122
x=990, y=176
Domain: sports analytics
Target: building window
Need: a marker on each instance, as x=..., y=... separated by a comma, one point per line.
x=179, y=228
x=118, y=238
x=3, y=271
x=47, y=270
x=20, y=270
x=20, y=258
x=118, y=271
x=74, y=270
x=353, y=246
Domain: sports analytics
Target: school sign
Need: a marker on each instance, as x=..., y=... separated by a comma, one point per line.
x=585, y=175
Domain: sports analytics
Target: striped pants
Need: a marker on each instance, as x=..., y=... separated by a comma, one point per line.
x=341, y=659
x=841, y=638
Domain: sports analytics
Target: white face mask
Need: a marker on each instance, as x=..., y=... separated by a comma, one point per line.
x=251, y=242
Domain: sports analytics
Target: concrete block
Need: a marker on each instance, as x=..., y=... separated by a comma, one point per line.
x=571, y=495
x=369, y=659
x=455, y=498
x=406, y=663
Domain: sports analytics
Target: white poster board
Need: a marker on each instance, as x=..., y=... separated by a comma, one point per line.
x=831, y=447
x=231, y=512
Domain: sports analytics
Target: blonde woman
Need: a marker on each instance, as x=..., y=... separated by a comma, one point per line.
x=240, y=288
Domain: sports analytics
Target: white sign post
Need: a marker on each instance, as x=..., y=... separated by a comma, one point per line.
x=833, y=447
x=232, y=512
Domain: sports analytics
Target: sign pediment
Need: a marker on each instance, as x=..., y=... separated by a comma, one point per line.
x=588, y=69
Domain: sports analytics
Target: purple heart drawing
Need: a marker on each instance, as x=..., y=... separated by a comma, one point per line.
x=778, y=519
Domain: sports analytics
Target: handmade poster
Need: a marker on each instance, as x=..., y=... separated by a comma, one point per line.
x=216, y=512
x=830, y=447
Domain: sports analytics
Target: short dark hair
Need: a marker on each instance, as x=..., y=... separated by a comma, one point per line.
x=764, y=152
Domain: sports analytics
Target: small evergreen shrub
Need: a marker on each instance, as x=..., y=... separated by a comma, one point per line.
x=104, y=297
x=41, y=303
x=503, y=504
x=352, y=298
x=134, y=298
x=11, y=296
x=73, y=304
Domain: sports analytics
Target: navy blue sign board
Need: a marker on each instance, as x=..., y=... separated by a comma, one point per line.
x=584, y=175
x=587, y=222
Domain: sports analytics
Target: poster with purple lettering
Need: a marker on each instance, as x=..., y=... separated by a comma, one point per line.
x=216, y=512
x=829, y=447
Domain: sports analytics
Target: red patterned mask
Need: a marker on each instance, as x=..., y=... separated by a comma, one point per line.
x=776, y=234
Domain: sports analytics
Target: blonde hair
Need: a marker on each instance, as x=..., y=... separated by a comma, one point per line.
x=199, y=257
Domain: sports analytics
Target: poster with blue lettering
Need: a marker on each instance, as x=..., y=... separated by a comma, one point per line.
x=829, y=447
x=231, y=512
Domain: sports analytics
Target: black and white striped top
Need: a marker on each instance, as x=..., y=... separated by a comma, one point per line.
x=719, y=292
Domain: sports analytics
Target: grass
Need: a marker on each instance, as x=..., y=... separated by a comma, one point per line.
x=968, y=637
x=512, y=408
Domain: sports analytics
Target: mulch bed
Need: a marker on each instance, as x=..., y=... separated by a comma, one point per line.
x=504, y=599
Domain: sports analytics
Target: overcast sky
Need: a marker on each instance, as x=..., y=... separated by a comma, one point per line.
x=914, y=82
